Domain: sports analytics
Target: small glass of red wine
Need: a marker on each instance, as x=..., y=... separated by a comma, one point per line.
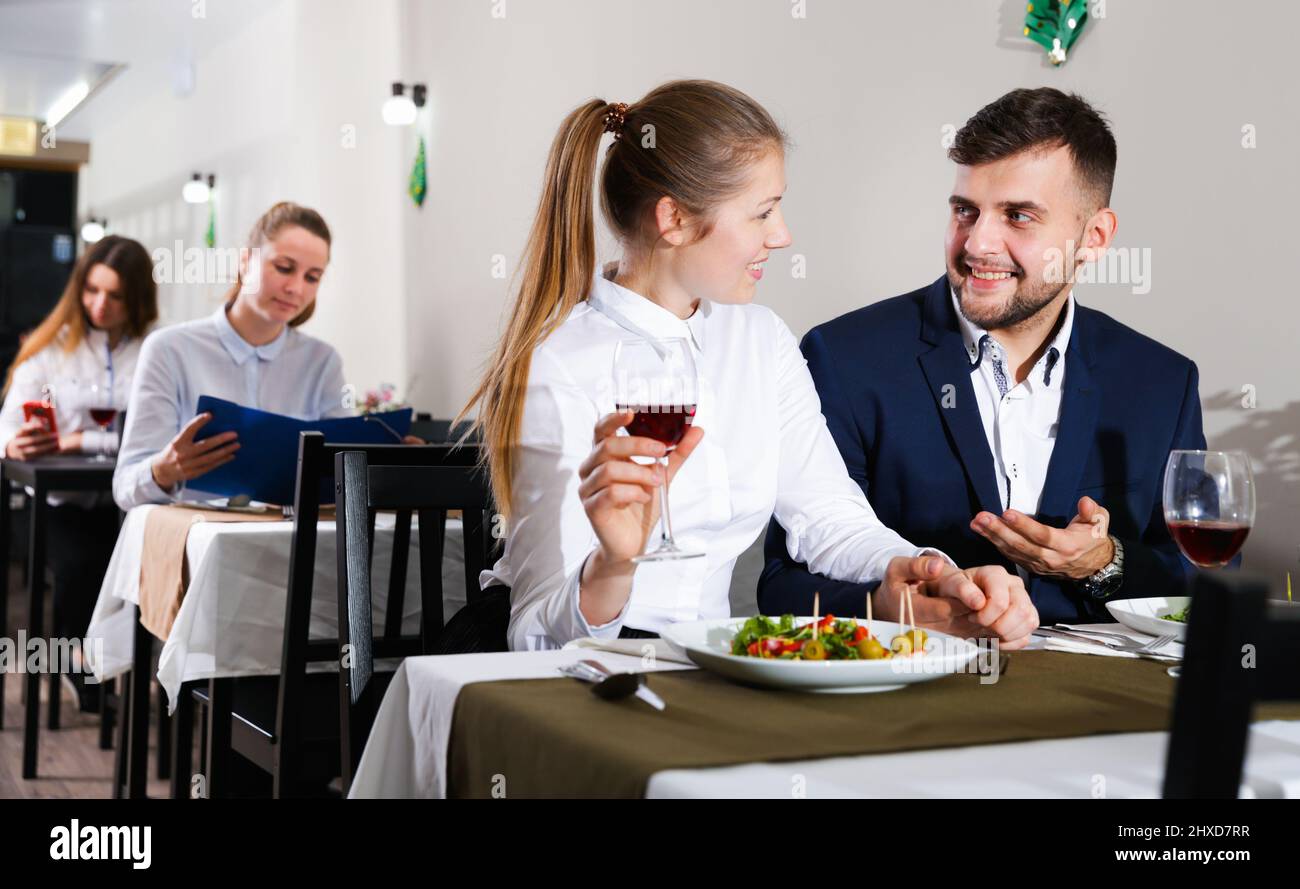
x=1209, y=501
x=655, y=380
x=103, y=412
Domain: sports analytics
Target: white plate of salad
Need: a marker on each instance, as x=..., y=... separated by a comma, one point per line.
x=1167, y=615
x=841, y=656
x=1156, y=616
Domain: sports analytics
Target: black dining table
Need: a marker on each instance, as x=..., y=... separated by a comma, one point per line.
x=42, y=476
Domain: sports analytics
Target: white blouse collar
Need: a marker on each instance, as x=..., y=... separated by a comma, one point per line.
x=95, y=339
x=644, y=317
x=241, y=349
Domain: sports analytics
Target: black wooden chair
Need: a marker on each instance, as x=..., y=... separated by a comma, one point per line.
x=1240, y=650
x=430, y=492
x=443, y=431
x=287, y=726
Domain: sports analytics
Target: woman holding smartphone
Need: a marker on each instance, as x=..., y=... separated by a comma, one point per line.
x=73, y=371
x=692, y=187
x=249, y=351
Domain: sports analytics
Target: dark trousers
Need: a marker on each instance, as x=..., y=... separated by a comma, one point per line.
x=79, y=544
x=482, y=625
x=634, y=633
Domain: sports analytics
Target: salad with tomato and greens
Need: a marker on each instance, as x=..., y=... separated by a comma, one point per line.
x=832, y=640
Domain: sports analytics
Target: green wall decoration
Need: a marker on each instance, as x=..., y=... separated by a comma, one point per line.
x=1055, y=25
x=418, y=184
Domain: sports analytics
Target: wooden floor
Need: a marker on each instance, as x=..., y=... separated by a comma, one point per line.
x=71, y=765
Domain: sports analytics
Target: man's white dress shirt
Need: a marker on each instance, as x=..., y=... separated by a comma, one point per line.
x=1020, y=419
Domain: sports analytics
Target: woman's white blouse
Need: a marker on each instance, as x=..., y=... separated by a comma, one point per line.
x=64, y=377
x=295, y=374
x=766, y=450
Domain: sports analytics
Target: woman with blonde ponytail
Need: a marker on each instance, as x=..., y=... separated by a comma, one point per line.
x=691, y=185
x=248, y=351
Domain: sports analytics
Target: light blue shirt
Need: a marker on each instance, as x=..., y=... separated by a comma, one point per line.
x=295, y=374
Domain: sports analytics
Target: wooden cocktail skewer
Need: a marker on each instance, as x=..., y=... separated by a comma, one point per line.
x=868, y=615
x=817, y=604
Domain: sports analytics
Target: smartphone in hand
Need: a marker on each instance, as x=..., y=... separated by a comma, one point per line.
x=43, y=411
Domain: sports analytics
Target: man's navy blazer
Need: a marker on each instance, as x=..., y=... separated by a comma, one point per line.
x=895, y=386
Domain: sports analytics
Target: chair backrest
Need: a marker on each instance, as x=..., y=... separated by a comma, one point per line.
x=316, y=463
x=430, y=492
x=442, y=431
x=1240, y=649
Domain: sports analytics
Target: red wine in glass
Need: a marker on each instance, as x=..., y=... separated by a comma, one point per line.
x=1209, y=504
x=103, y=416
x=655, y=380
x=1209, y=544
x=667, y=424
x=102, y=411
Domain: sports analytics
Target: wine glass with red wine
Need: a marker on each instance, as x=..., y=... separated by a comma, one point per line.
x=655, y=380
x=1209, y=500
x=103, y=410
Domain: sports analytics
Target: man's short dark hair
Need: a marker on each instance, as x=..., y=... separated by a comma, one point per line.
x=1042, y=118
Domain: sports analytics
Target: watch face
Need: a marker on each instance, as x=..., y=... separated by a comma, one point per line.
x=1106, y=586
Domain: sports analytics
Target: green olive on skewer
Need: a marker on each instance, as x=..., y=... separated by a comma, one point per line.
x=813, y=650
x=870, y=649
x=901, y=645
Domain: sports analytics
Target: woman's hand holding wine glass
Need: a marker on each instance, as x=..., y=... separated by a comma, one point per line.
x=622, y=505
x=655, y=400
x=618, y=494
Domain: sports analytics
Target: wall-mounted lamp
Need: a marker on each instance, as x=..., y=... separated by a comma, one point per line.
x=196, y=191
x=399, y=109
x=92, y=229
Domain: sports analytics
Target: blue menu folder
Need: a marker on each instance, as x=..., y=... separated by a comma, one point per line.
x=266, y=465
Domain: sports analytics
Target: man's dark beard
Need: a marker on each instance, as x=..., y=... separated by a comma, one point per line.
x=1027, y=301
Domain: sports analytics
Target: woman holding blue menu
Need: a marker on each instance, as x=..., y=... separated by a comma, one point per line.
x=249, y=351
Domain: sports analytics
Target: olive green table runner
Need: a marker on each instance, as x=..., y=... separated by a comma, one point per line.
x=554, y=738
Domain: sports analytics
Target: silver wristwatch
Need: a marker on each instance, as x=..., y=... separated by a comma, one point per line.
x=1106, y=581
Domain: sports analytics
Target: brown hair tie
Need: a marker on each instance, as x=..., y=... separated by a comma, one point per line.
x=615, y=113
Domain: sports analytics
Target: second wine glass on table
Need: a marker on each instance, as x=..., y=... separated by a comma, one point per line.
x=656, y=381
x=103, y=410
x=1209, y=504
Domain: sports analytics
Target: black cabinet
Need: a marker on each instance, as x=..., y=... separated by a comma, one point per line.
x=38, y=243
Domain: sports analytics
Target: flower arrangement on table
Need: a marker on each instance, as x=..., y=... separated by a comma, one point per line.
x=381, y=400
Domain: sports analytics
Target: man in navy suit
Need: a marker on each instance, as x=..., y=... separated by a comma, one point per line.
x=989, y=414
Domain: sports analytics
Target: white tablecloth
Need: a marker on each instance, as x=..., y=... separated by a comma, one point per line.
x=1112, y=766
x=231, y=619
x=406, y=755
x=407, y=751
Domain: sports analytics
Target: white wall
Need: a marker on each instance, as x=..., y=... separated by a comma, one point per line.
x=266, y=116
x=865, y=90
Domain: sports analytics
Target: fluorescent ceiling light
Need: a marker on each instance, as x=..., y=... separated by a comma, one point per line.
x=64, y=105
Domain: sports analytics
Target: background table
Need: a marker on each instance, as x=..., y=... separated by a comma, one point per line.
x=42, y=476
x=231, y=620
